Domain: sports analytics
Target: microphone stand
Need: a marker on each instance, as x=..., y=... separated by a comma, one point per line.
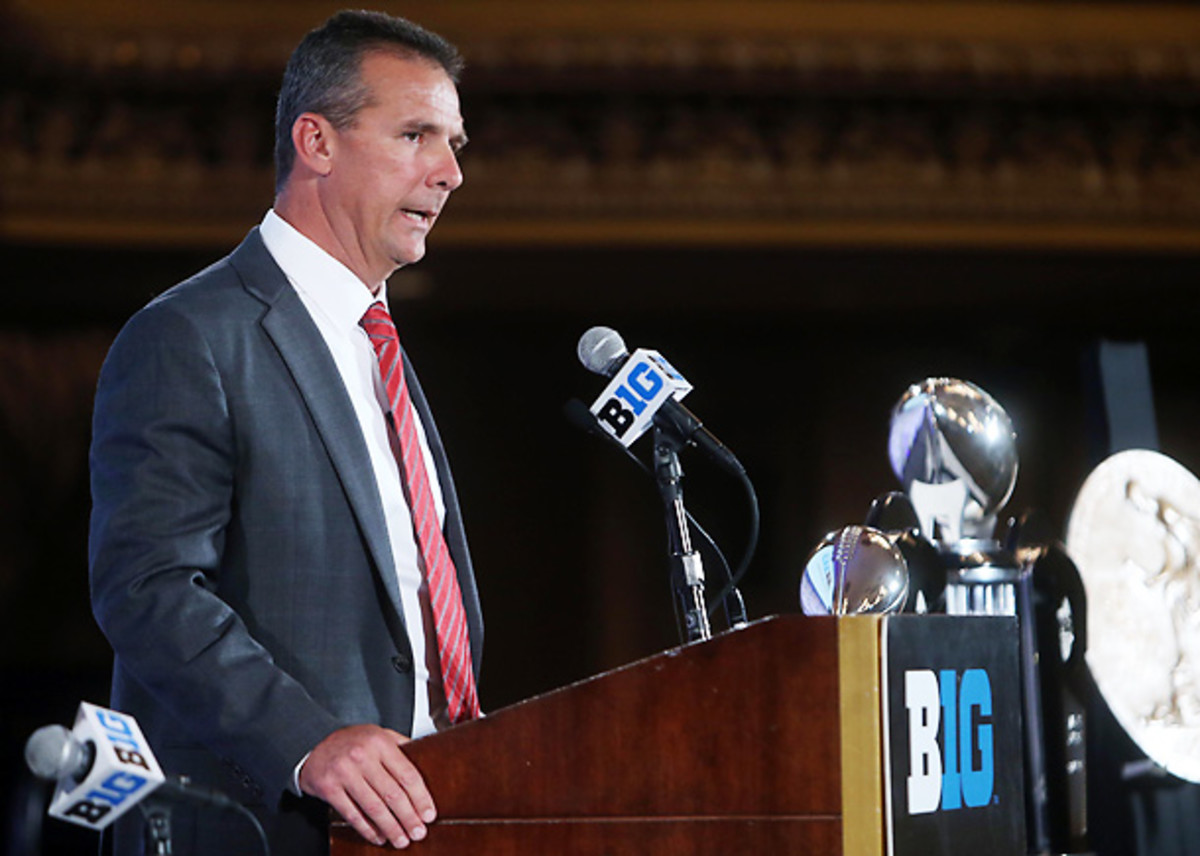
x=687, y=568
x=157, y=830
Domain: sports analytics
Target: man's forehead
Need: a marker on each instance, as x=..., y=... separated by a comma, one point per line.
x=400, y=64
x=410, y=78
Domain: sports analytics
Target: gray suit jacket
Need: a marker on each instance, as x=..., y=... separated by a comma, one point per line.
x=240, y=564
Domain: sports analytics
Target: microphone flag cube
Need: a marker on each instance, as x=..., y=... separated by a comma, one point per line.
x=123, y=770
x=636, y=392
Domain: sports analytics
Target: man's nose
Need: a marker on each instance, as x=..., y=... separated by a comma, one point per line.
x=446, y=173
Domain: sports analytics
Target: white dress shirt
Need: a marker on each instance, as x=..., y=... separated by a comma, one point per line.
x=337, y=299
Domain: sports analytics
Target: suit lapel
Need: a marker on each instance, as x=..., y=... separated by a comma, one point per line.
x=299, y=343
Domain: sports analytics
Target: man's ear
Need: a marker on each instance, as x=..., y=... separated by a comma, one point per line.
x=313, y=137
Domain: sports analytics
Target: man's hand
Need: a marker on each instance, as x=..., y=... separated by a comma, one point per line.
x=362, y=772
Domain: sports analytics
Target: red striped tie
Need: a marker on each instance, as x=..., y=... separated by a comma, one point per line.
x=449, y=617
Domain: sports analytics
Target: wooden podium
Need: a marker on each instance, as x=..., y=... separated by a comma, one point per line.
x=760, y=741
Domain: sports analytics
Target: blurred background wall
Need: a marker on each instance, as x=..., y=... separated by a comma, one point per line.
x=805, y=205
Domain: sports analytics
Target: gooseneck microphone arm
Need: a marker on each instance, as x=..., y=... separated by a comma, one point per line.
x=687, y=569
x=156, y=827
x=578, y=415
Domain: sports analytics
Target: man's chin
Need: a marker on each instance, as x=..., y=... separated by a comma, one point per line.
x=409, y=255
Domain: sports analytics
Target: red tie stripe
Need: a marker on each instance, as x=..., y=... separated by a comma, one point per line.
x=449, y=617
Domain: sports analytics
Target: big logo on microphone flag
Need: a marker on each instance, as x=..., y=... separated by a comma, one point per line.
x=123, y=770
x=643, y=385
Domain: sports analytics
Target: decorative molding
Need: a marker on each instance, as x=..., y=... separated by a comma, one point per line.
x=923, y=123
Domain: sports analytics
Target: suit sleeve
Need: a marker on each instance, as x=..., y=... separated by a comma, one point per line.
x=163, y=464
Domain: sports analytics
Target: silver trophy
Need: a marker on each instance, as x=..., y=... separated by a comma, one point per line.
x=854, y=570
x=955, y=452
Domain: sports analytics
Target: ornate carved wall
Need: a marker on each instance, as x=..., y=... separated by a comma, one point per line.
x=749, y=123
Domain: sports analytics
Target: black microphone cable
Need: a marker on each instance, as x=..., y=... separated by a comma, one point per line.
x=181, y=788
x=581, y=417
x=751, y=545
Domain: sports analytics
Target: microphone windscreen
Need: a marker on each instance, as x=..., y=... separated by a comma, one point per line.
x=53, y=753
x=602, y=350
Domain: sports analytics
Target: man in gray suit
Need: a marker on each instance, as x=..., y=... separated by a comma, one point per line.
x=253, y=557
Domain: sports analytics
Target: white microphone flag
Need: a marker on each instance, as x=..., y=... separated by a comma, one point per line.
x=643, y=384
x=122, y=773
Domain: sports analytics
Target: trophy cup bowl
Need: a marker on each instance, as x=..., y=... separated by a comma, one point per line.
x=854, y=570
x=945, y=430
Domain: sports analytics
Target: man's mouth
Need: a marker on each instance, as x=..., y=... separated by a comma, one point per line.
x=418, y=216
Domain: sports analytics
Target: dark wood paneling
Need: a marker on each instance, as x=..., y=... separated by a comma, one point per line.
x=744, y=726
x=627, y=837
x=732, y=743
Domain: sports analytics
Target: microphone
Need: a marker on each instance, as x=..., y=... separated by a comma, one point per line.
x=104, y=767
x=577, y=414
x=644, y=390
x=52, y=753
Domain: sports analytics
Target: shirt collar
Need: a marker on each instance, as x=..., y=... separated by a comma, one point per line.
x=321, y=278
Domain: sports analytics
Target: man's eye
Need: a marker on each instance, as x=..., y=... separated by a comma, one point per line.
x=412, y=136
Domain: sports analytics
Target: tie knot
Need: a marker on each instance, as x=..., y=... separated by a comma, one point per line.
x=376, y=314
x=378, y=324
